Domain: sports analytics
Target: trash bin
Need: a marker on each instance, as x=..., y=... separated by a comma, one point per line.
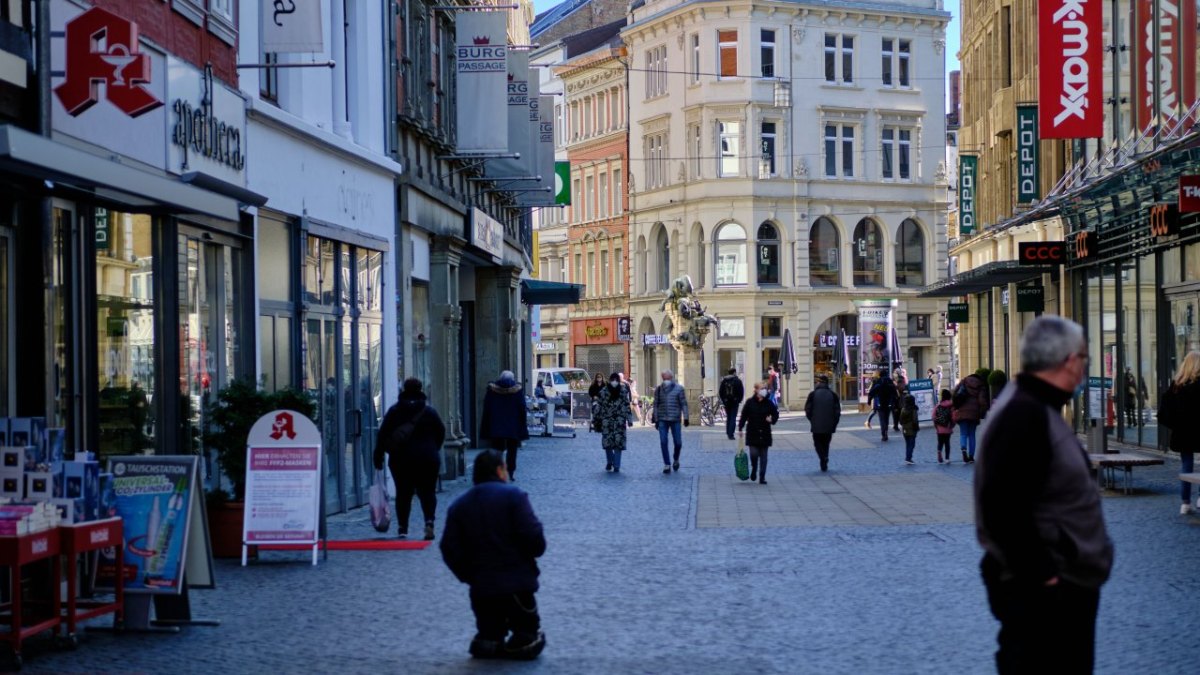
x=1097, y=436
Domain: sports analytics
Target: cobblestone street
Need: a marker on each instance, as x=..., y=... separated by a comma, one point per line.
x=871, y=568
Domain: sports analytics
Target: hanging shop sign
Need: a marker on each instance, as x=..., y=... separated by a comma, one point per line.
x=967, y=167
x=1028, y=189
x=1189, y=194
x=1164, y=221
x=1070, y=69
x=958, y=312
x=207, y=124
x=1031, y=299
x=1042, y=253
x=481, y=50
x=291, y=26
x=1084, y=243
x=651, y=339
x=562, y=183
x=121, y=67
x=487, y=233
x=522, y=104
x=283, y=481
x=1160, y=98
x=596, y=331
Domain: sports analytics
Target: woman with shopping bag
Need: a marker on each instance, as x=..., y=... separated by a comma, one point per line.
x=412, y=434
x=759, y=414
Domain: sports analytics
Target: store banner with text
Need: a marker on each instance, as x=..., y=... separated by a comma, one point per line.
x=521, y=91
x=874, y=355
x=542, y=190
x=481, y=50
x=283, y=480
x=292, y=26
x=1164, y=61
x=1070, y=68
x=1028, y=189
x=967, y=170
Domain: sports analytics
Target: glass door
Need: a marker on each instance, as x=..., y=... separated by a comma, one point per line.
x=321, y=362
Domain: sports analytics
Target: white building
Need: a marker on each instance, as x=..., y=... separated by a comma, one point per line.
x=789, y=157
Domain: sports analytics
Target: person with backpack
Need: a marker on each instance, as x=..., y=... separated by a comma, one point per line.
x=503, y=421
x=1178, y=403
x=823, y=410
x=884, y=393
x=910, y=425
x=731, y=393
x=943, y=424
x=670, y=407
x=411, y=435
x=971, y=403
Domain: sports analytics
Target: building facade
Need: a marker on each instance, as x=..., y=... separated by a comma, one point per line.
x=789, y=158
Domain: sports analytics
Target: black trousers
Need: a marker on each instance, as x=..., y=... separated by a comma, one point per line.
x=509, y=447
x=1044, y=629
x=822, y=442
x=885, y=412
x=415, y=476
x=497, y=615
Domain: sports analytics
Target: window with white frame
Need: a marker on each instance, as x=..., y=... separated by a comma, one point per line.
x=767, y=161
x=604, y=271
x=695, y=57
x=592, y=288
x=839, y=58
x=619, y=272
x=839, y=151
x=727, y=48
x=576, y=200
x=223, y=9
x=578, y=269
x=558, y=126
x=614, y=114
x=589, y=197
x=602, y=201
x=656, y=71
x=575, y=126
x=601, y=113
x=897, y=153
x=895, y=56
x=656, y=160
x=730, y=257
x=618, y=205
x=693, y=143
x=729, y=146
x=767, y=52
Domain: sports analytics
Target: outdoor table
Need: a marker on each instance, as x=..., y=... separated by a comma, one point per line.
x=1106, y=464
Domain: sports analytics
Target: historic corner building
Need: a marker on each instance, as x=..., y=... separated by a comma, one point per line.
x=789, y=157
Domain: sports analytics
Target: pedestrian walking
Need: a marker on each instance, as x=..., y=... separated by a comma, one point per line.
x=594, y=396
x=503, y=421
x=943, y=424
x=1130, y=399
x=823, y=409
x=1178, y=403
x=614, y=416
x=971, y=402
x=874, y=403
x=731, y=392
x=491, y=543
x=1038, y=515
x=900, y=378
x=909, y=426
x=670, y=408
x=773, y=384
x=884, y=394
x=759, y=414
x=411, y=435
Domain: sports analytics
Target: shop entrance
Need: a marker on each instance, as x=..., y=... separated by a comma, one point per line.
x=836, y=360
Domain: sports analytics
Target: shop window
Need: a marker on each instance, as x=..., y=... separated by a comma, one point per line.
x=910, y=255
x=823, y=254
x=732, y=328
x=772, y=326
x=918, y=325
x=768, y=254
x=318, y=271
x=274, y=260
x=420, y=331
x=868, y=254
x=730, y=258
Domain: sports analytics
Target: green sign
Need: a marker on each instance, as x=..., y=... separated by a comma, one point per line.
x=562, y=183
x=1031, y=299
x=958, y=312
x=967, y=171
x=1028, y=190
x=102, y=230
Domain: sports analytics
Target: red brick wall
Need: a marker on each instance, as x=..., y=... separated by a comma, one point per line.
x=178, y=35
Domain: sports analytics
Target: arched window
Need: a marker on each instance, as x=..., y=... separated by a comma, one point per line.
x=730, y=258
x=768, y=254
x=910, y=255
x=663, y=253
x=868, y=254
x=823, y=254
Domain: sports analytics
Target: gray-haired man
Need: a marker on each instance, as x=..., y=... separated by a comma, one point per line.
x=1038, y=514
x=670, y=407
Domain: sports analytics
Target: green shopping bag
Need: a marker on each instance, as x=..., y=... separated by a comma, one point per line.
x=741, y=461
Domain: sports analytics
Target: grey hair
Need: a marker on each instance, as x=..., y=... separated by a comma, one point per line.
x=668, y=374
x=1049, y=341
x=507, y=374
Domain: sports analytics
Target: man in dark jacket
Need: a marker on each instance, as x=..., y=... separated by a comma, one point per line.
x=884, y=392
x=732, y=393
x=1038, y=515
x=823, y=410
x=412, y=434
x=491, y=543
x=503, y=422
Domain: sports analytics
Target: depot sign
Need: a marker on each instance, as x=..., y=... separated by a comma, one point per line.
x=1042, y=253
x=1070, y=68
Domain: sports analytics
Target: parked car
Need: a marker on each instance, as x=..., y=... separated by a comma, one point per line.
x=560, y=382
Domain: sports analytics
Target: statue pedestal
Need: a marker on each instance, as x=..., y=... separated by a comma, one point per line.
x=689, y=350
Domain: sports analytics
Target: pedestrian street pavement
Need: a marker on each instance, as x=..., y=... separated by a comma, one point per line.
x=870, y=568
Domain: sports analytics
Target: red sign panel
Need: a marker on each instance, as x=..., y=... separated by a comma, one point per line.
x=1174, y=39
x=1070, y=69
x=102, y=49
x=1042, y=253
x=1189, y=194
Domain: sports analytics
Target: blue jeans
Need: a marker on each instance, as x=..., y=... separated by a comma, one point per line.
x=731, y=413
x=676, y=429
x=1188, y=460
x=910, y=442
x=966, y=434
x=613, y=457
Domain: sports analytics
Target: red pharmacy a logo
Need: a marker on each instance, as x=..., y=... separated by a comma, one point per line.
x=283, y=425
x=102, y=48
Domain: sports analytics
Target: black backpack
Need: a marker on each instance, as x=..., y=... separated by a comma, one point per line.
x=942, y=416
x=726, y=392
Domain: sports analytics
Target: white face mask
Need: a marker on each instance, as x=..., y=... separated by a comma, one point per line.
x=614, y=383
x=762, y=393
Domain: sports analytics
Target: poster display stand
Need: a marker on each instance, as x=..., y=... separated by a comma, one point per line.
x=923, y=392
x=283, y=483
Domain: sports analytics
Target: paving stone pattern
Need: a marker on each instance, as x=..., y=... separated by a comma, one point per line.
x=644, y=574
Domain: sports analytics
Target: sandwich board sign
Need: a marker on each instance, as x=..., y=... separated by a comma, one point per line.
x=283, y=482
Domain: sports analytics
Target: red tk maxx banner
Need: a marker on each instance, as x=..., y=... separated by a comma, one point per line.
x=1070, y=69
x=1189, y=194
x=1173, y=37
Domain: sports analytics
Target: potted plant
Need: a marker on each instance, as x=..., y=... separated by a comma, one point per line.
x=996, y=381
x=230, y=417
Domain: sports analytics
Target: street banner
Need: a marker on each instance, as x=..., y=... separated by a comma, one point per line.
x=562, y=183
x=1070, y=69
x=1164, y=61
x=1189, y=194
x=874, y=355
x=283, y=481
x=967, y=170
x=292, y=26
x=543, y=193
x=926, y=396
x=159, y=500
x=481, y=48
x=1028, y=189
x=520, y=140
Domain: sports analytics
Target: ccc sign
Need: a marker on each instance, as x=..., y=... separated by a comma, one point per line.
x=1164, y=220
x=1085, y=245
x=1042, y=253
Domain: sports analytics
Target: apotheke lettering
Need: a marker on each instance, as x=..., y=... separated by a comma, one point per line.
x=200, y=131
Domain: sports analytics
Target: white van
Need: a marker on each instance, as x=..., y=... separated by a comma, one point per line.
x=558, y=382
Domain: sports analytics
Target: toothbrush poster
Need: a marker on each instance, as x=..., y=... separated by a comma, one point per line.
x=154, y=496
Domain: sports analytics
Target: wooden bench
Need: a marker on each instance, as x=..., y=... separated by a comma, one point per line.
x=1106, y=467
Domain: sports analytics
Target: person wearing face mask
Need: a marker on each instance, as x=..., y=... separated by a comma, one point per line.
x=759, y=414
x=670, y=407
x=613, y=416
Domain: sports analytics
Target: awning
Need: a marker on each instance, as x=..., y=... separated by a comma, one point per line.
x=985, y=277
x=44, y=158
x=537, y=292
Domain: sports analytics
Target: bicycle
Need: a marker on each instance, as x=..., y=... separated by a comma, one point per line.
x=646, y=403
x=711, y=411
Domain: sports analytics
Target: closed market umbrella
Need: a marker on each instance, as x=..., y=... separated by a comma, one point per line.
x=789, y=354
x=894, y=348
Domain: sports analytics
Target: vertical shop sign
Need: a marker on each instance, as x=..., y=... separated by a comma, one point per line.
x=1070, y=69
x=874, y=355
x=1164, y=61
x=1189, y=194
x=521, y=91
x=967, y=167
x=1028, y=190
x=481, y=50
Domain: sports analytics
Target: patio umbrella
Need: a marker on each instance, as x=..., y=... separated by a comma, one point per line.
x=702, y=375
x=894, y=348
x=789, y=355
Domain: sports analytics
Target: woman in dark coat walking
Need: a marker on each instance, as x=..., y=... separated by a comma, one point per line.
x=759, y=414
x=613, y=415
x=1178, y=404
x=503, y=422
x=413, y=460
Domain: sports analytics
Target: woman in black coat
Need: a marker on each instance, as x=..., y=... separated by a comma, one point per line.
x=759, y=414
x=415, y=459
x=1178, y=404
